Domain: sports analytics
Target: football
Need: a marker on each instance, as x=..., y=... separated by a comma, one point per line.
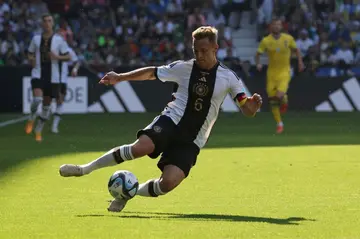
x=123, y=185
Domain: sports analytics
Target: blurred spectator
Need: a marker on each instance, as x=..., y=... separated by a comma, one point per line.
x=304, y=42
x=265, y=11
x=341, y=32
x=195, y=19
x=215, y=18
x=344, y=57
x=324, y=48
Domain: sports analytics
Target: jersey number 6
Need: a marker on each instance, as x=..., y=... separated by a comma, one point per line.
x=198, y=104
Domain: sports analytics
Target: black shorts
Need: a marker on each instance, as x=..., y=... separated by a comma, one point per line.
x=174, y=151
x=63, y=88
x=48, y=88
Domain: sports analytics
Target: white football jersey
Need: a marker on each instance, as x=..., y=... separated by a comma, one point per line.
x=199, y=96
x=66, y=64
x=46, y=68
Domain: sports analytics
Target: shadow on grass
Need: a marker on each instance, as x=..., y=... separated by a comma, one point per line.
x=202, y=217
x=89, y=133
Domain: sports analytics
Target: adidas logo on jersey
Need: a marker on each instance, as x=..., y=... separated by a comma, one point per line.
x=203, y=79
x=345, y=99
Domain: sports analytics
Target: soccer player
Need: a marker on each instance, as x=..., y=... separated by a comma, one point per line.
x=184, y=126
x=46, y=51
x=278, y=47
x=63, y=87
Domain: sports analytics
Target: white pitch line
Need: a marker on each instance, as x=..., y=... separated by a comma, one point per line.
x=13, y=121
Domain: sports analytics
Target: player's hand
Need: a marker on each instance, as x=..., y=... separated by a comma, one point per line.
x=53, y=56
x=301, y=66
x=256, y=98
x=111, y=78
x=252, y=105
x=259, y=67
x=74, y=72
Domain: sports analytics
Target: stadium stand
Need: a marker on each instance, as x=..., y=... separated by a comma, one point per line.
x=113, y=32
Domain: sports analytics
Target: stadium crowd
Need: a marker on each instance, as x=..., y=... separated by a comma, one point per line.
x=140, y=32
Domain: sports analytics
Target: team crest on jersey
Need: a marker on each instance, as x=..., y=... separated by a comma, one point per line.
x=286, y=43
x=157, y=129
x=201, y=89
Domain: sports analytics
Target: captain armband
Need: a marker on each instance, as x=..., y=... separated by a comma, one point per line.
x=240, y=99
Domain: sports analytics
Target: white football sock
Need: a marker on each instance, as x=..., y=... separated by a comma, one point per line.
x=34, y=106
x=113, y=157
x=151, y=188
x=57, y=116
x=45, y=114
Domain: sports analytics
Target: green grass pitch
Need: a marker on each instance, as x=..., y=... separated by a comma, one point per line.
x=247, y=183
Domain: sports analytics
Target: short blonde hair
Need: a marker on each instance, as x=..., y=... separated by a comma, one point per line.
x=206, y=32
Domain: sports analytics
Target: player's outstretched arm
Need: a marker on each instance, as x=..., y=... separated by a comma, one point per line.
x=301, y=65
x=250, y=105
x=145, y=73
x=257, y=61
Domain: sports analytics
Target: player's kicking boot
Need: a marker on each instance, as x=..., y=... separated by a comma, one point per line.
x=117, y=205
x=71, y=170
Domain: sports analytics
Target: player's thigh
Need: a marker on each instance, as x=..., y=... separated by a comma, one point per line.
x=181, y=155
x=63, y=89
x=55, y=90
x=270, y=87
x=37, y=87
x=277, y=82
x=62, y=94
x=160, y=131
x=283, y=84
x=171, y=177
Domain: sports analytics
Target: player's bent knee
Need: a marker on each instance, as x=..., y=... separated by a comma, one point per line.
x=37, y=92
x=171, y=178
x=169, y=183
x=274, y=101
x=46, y=100
x=143, y=146
x=280, y=95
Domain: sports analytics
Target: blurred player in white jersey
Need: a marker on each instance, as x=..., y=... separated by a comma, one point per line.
x=184, y=126
x=74, y=61
x=46, y=51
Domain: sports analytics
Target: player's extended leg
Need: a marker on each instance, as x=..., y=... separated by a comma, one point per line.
x=57, y=114
x=175, y=164
x=171, y=177
x=141, y=147
x=151, y=141
x=37, y=99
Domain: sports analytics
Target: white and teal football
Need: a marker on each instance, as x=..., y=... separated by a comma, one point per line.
x=123, y=185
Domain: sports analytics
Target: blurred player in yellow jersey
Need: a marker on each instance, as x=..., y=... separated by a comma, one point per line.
x=278, y=47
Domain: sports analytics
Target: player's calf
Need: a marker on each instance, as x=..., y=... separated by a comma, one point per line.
x=45, y=114
x=172, y=176
x=143, y=146
x=57, y=118
x=275, y=103
x=284, y=104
